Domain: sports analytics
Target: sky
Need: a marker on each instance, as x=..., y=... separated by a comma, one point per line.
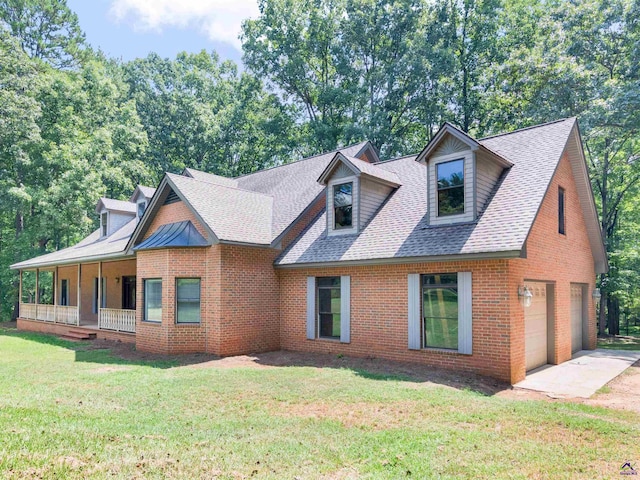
x=129, y=29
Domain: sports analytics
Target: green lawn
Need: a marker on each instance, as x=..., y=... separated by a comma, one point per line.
x=69, y=411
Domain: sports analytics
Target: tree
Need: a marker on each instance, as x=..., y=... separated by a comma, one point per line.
x=47, y=30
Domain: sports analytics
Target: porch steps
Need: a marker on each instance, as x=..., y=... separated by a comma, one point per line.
x=79, y=335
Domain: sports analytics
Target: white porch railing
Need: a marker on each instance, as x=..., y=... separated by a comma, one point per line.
x=28, y=310
x=117, y=319
x=68, y=315
x=46, y=313
x=50, y=313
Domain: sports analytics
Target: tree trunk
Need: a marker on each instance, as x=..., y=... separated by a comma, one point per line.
x=602, y=314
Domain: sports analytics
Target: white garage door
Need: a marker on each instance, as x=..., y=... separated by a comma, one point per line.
x=576, y=318
x=535, y=326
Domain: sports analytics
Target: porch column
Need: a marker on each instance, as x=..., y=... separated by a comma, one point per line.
x=99, y=292
x=55, y=295
x=20, y=290
x=37, y=290
x=79, y=297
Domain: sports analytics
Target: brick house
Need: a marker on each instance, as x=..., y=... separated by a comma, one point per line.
x=476, y=255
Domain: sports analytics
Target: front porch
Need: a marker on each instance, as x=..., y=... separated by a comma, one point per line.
x=97, y=296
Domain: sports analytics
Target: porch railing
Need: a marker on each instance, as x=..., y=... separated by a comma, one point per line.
x=28, y=310
x=50, y=313
x=66, y=314
x=117, y=319
x=46, y=313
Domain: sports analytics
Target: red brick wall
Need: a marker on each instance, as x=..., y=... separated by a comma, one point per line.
x=60, y=329
x=379, y=311
x=113, y=272
x=558, y=259
x=69, y=273
x=249, y=317
x=169, y=264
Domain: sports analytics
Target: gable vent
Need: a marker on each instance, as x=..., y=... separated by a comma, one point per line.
x=171, y=198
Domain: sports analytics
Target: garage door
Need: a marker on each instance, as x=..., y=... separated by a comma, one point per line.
x=535, y=326
x=576, y=318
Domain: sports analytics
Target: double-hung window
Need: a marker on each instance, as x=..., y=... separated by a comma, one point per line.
x=103, y=224
x=329, y=308
x=440, y=310
x=328, y=294
x=152, y=300
x=450, y=187
x=187, y=300
x=343, y=205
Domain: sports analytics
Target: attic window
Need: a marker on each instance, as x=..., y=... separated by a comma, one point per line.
x=343, y=205
x=103, y=224
x=141, y=207
x=450, y=187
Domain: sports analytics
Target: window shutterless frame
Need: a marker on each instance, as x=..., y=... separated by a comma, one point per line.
x=450, y=187
x=440, y=310
x=152, y=300
x=561, y=211
x=328, y=307
x=343, y=206
x=188, y=307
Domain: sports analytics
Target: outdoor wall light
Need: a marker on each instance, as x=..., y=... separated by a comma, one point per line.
x=596, y=294
x=117, y=279
x=525, y=296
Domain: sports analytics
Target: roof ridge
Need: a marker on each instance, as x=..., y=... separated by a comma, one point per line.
x=221, y=186
x=298, y=161
x=531, y=127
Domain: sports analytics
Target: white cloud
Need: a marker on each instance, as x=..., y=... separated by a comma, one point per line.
x=217, y=19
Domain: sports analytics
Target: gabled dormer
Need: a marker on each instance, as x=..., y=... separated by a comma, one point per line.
x=114, y=214
x=141, y=197
x=461, y=174
x=355, y=191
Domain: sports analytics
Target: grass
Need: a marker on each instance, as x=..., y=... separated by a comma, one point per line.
x=67, y=411
x=620, y=343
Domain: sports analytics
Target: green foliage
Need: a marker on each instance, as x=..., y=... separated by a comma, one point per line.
x=46, y=29
x=320, y=74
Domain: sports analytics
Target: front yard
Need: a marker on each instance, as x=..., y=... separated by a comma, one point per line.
x=70, y=410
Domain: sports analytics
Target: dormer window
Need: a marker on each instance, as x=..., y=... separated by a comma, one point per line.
x=343, y=205
x=450, y=187
x=141, y=208
x=103, y=224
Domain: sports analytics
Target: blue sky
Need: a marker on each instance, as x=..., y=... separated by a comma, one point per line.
x=128, y=29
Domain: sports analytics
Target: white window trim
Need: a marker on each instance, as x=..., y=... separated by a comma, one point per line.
x=355, y=209
x=469, y=187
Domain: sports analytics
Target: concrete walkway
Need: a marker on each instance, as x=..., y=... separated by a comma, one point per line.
x=582, y=376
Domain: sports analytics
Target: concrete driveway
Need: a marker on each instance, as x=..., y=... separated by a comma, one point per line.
x=582, y=376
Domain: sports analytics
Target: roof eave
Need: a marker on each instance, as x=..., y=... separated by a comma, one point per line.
x=70, y=261
x=505, y=255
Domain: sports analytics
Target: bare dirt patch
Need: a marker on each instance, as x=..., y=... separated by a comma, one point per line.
x=622, y=392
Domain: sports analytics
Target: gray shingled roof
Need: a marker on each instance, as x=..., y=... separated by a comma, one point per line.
x=92, y=247
x=292, y=186
x=118, y=205
x=400, y=229
x=232, y=214
x=361, y=167
x=210, y=177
